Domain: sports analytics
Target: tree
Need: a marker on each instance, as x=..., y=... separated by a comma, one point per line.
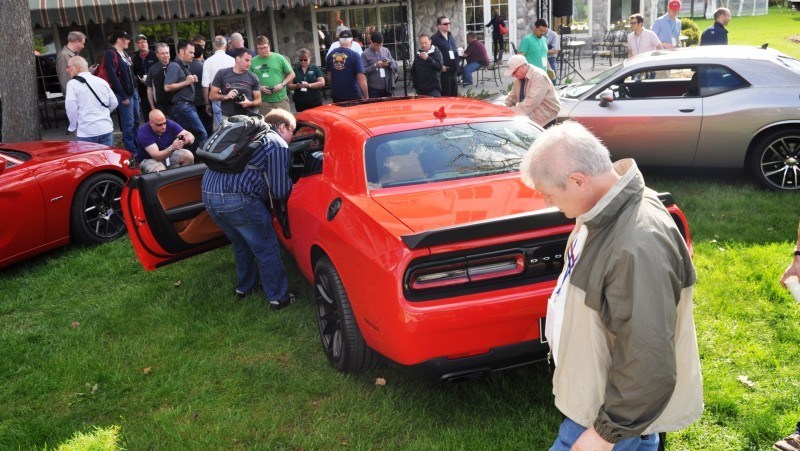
x=18, y=94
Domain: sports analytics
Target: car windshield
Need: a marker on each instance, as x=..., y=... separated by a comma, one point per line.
x=578, y=89
x=447, y=152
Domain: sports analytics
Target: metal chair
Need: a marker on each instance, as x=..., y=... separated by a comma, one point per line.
x=603, y=49
x=490, y=72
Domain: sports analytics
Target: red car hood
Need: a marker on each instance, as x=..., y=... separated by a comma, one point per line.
x=436, y=205
x=51, y=150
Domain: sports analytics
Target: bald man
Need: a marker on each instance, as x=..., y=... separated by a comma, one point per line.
x=160, y=144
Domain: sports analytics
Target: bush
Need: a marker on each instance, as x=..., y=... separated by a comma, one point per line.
x=690, y=30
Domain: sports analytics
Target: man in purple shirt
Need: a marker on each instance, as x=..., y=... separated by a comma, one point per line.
x=476, y=56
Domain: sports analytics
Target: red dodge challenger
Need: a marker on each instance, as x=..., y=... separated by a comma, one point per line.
x=54, y=192
x=409, y=218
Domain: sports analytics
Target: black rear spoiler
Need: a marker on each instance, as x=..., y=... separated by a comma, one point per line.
x=499, y=226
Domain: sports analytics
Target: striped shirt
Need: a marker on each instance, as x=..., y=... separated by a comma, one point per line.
x=272, y=157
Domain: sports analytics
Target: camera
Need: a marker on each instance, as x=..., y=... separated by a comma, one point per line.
x=420, y=51
x=181, y=137
x=240, y=97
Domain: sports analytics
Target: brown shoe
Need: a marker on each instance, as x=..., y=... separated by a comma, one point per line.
x=790, y=443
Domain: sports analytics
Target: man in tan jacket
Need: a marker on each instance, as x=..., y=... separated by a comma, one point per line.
x=533, y=93
x=619, y=322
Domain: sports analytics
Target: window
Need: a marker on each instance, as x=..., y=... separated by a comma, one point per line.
x=580, y=17
x=620, y=11
x=389, y=20
x=447, y=153
x=666, y=82
x=718, y=79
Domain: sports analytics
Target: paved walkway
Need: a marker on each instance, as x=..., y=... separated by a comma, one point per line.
x=494, y=89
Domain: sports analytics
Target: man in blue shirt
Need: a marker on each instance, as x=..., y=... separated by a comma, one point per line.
x=717, y=34
x=345, y=70
x=668, y=26
x=236, y=202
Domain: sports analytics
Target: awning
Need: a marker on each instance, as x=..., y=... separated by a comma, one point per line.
x=46, y=13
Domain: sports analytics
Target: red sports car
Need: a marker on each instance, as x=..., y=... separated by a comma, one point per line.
x=55, y=192
x=409, y=218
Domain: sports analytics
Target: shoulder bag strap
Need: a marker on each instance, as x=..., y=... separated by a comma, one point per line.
x=83, y=80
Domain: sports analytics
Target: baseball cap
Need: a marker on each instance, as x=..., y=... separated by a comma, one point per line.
x=675, y=4
x=140, y=37
x=514, y=63
x=119, y=34
x=346, y=34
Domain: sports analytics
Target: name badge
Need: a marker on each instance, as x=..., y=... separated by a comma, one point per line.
x=265, y=75
x=544, y=61
x=673, y=41
x=382, y=71
x=452, y=55
x=303, y=89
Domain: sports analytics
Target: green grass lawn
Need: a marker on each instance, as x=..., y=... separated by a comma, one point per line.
x=173, y=360
x=170, y=358
x=774, y=29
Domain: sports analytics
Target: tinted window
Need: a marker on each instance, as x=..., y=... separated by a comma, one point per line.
x=717, y=79
x=447, y=153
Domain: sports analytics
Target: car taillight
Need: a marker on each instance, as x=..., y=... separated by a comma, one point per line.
x=467, y=271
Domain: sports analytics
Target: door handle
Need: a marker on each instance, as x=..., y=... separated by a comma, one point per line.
x=686, y=110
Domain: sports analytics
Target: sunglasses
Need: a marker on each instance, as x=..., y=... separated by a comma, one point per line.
x=303, y=59
x=160, y=124
x=445, y=23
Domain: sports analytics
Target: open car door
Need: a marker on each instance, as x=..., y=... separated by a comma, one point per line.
x=166, y=218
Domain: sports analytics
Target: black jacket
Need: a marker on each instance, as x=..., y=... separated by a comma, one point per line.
x=425, y=73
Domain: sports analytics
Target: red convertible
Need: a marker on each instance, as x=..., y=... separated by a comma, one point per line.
x=52, y=193
x=409, y=218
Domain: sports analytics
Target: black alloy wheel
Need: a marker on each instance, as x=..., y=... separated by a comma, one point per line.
x=96, y=215
x=775, y=160
x=342, y=341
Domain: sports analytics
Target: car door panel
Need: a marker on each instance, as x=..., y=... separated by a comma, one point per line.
x=667, y=128
x=22, y=231
x=166, y=218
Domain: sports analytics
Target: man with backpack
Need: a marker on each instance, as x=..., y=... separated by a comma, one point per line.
x=180, y=82
x=161, y=144
x=89, y=103
x=117, y=69
x=235, y=201
x=155, y=80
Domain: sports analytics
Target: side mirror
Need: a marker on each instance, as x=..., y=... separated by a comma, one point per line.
x=606, y=97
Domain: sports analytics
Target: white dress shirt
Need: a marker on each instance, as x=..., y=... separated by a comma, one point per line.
x=84, y=111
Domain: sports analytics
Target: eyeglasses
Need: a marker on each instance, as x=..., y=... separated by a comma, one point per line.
x=443, y=23
x=160, y=124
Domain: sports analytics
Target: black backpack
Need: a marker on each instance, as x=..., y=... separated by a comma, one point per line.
x=231, y=146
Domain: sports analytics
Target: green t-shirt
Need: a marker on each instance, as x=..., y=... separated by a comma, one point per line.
x=534, y=49
x=270, y=72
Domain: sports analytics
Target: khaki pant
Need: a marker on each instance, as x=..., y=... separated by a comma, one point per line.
x=266, y=107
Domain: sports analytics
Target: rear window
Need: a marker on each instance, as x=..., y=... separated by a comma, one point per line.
x=447, y=153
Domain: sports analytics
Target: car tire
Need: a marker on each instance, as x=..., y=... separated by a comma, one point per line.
x=96, y=215
x=341, y=338
x=774, y=160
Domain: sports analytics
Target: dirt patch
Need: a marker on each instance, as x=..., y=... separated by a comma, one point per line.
x=795, y=38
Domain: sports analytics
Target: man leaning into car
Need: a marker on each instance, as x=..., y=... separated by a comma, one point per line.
x=160, y=144
x=533, y=94
x=619, y=321
x=236, y=202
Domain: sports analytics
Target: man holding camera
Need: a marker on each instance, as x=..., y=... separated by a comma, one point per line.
x=181, y=83
x=380, y=68
x=236, y=87
x=160, y=144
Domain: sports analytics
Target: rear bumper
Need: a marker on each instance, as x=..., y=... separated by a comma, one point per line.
x=442, y=369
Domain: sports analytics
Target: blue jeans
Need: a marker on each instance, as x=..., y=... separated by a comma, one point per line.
x=185, y=114
x=248, y=224
x=216, y=111
x=469, y=69
x=107, y=139
x=129, y=120
x=569, y=432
